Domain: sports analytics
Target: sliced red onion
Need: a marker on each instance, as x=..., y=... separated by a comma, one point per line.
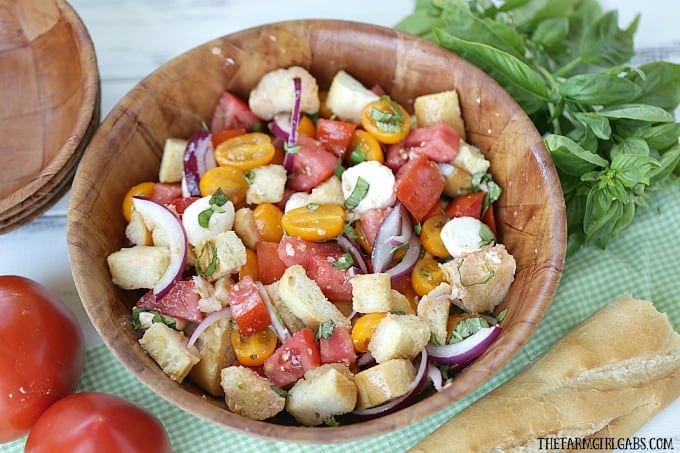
x=405, y=232
x=353, y=248
x=408, y=261
x=207, y=322
x=280, y=126
x=294, y=121
x=164, y=218
x=402, y=401
x=198, y=158
x=365, y=360
x=464, y=351
x=381, y=256
x=277, y=324
x=435, y=375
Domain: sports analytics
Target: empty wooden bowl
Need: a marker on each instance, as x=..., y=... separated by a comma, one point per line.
x=49, y=93
x=177, y=98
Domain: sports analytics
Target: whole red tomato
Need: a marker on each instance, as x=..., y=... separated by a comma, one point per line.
x=97, y=422
x=41, y=353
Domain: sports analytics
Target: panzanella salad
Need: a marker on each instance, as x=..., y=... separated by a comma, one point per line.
x=319, y=253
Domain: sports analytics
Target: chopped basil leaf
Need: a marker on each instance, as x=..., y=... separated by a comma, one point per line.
x=357, y=155
x=491, y=274
x=331, y=421
x=279, y=391
x=204, y=217
x=249, y=176
x=219, y=198
x=291, y=149
x=211, y=251
x=486, y=236
x=157, y=317
x=312, y=206
x=349, y=231
x=398, y=312
x=417, y=228
x=467, y=327
x=339, y=169
x=501, y=316
x=344, y=262
x=358, y=193
x=325, y=329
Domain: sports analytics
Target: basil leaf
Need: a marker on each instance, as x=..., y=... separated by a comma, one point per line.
x=218, y=198
x=639, y=112
x=467, y=327
x=661, y=136
x=668, y=162
x=629, y=145
x=599, y=89
x=208, y=253
x=632, y=169
x=550, y=31
x=605, y=44
x=204, y=217
x=570, y=157
x=325, y=329
x=659, y=84
x=345, y=261
x=358, y=193
x=596, y=123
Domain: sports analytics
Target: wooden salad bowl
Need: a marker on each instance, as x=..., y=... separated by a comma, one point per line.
x=180, y=96
x=49, y=98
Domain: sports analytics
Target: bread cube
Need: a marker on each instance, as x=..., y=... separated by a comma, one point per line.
x=480, y=280
x=214, y=347
x=172, y=160
x=249, y=394
x=304, y=299
x=433, y=308
x=398, y=337
x=328, y=192
x=347, y=97
x=168, y=347
x=471, y=159
x=140, y=266
x=434, y=108
x=136, y=231
x=324, y=392
x=266, y=184
x=383, y=382
x=224, y=251
x=244, y=226
x=292, y=322
x=401, y=304
x=371, y=293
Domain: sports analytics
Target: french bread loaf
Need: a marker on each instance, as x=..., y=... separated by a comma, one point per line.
x=605, y=378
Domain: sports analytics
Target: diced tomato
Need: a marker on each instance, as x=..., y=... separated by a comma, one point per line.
x=490, y=219
x=270, y=266
x=232, y=113
x=333, y=281
x=181, y=203
x=371, y=221
x=466, y=205
x=419, y=186
x=335, y=134
x=219, y=137
x=396, y=156
x=439, y=143
x=312, y=164
x=338, y=347
x=317, y=258
x=181, y=301
x=295, y=356
x=165, y=193
x=247, y=307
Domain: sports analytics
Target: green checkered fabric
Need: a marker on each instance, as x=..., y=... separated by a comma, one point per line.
x=642, y=261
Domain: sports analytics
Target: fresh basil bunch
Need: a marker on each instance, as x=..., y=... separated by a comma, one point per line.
x=609, y=127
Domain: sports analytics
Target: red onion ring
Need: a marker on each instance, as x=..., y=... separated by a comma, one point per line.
x=207, y=322
x=294, y=121
x=280, y=126
x=381, y=256
x=464, y=351
x=402, y=401
x=198, y=158
x=353, y=248
x=435, y=375
x=409, y=260
x=177, y=240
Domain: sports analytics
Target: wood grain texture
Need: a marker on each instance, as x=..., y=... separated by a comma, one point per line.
x=177, y=98
x=50, y=104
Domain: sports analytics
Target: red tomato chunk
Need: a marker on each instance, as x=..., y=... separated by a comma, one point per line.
x=290, y=361
x=338, y=348
x=312, y=164
x=232, y=113
x=419, y=186
x=335, y=134
x=181, y=301
x=247, y=307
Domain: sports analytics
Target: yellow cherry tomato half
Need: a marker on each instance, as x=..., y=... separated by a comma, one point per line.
x=253, y=350
x=245, y=151
x=230, y=179
x=268, y=222
x=250, y=268
x=363, y=329
x=314, y=222
x=430, y=236
x=426, y=275
x=306, y=126
x=364, y=146
x=143, y=189
x=386, y=120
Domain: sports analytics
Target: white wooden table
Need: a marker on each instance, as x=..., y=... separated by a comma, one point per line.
x=134, y=37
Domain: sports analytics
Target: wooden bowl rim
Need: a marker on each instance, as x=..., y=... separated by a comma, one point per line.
x=27, y=202
x=190, y=402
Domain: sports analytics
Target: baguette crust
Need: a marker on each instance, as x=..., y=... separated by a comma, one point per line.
x=609, y=375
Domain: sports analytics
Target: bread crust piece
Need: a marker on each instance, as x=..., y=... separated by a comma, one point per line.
x=610, y=374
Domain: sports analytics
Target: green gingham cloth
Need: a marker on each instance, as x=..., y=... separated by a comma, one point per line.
x=642, y=261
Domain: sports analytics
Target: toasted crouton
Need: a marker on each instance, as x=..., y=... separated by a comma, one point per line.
x=292, y=322
x=433, y=308
x=138, y=267
x=398, y=337
x=325, y=391
x=471, y=159
x=168, y=347
x=371, y=293
x=480, y=280
x=136, y=231
x=266, y=184
x=172, y=161
x=244, y=226
x=434, y=108
x=214, y=346
x=401, y=304
x=249, y=394
x=224, y=252
x=304, y=299
x=383, y=382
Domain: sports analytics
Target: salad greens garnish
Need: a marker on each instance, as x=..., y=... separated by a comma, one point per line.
x=609, y=127
x=467, y=327
x=217, y=200
x=345, y=261
x=157, y=317
x=325, y=329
